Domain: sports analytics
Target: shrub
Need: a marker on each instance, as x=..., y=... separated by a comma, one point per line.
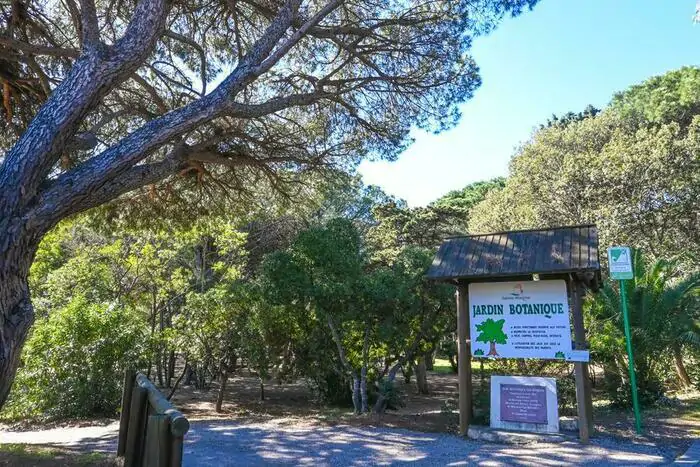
x=73, y=362
x=393, y=397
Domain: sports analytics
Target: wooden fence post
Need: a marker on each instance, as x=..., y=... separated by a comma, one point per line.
x=584, y=401
x=464, y=365
x=158, y=440
x=137, y=426
x=176, y=446
x=129, y=378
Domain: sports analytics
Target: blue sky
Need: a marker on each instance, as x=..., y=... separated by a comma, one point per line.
x=559, y=57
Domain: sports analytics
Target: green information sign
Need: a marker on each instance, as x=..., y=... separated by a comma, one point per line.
x=620, y=263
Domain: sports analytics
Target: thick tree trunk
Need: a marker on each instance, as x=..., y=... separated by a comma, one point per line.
x=356, y=399
x=407, y=373
x=421, y=376
x=355, y=387
x=430, y=360
x=16, y=311
x=222, y=390
x=363, y=372
x=381, y=403
x=680, y=367
x=171, y=368
x=177, y=382
x=453, y=362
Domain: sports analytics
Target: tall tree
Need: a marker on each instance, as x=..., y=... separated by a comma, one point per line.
x=633, y=170
x=102, y=98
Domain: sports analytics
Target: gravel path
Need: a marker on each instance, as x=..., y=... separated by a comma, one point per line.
x=227, y=443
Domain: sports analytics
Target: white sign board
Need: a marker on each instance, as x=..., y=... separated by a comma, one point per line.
x=577, y=356
x=620, y=263
x=528, y=319
x=524, y=403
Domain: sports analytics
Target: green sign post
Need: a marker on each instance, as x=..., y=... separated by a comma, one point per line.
x=620, y=264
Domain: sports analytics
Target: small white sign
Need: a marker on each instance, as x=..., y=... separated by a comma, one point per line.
x=578, y=356
x=620, y=263
x=528, y=319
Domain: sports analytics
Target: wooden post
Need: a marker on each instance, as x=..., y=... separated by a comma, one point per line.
x=584, y=401
x=176, y=451
x=157, y=449
x=129, y=377
x=160, y=405
x=137, y=425
x=464, y=354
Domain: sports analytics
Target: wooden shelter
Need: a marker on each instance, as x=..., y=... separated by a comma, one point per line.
x=569, y=253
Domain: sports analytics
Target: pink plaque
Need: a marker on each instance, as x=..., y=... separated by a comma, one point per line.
x=523, y=403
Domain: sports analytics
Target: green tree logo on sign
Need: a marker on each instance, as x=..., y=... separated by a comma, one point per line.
x=492, y=332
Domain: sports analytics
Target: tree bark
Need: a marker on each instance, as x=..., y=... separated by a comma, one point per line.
x=356, y=399
x=453, y=362
x=380, y=405
x=16, y=310
x=430, y=360
x=355, y=388
x=222, y=390
x=177, y=382
x=171, y=368
x=422, y=376
x=407, y=373
x=680, y=367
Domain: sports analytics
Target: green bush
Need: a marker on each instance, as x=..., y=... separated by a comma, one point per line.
x=73, y=362
x=394, y=398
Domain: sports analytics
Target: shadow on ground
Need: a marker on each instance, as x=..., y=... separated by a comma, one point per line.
x=221, y=443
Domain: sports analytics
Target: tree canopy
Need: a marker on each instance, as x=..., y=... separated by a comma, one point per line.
x=632, y=170
x=103, y=98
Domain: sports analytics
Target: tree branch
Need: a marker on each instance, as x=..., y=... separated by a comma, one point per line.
x=91, y=31
x=92, y=76
x=137, y=177
x=38, y=49
x=200, y=51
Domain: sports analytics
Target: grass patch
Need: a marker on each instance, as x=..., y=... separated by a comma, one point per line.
x=442, y=365
x=43, y=456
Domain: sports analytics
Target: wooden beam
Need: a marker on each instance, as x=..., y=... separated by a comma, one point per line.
x=464, y=357
x=129, y=377
x=178, y=422
x=137, y=428
x=158, y=441
x=584, y=401
x=176, y=447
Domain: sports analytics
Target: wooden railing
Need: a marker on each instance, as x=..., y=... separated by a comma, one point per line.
x=151, y=430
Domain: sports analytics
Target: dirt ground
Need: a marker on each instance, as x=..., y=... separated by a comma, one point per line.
x=671, y=428
x=295, y=401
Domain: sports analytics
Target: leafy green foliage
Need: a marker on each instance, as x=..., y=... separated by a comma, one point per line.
x=672, y=97
x=637, y=179
x=398, y=226
x=74, y=361
x=664, y=316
